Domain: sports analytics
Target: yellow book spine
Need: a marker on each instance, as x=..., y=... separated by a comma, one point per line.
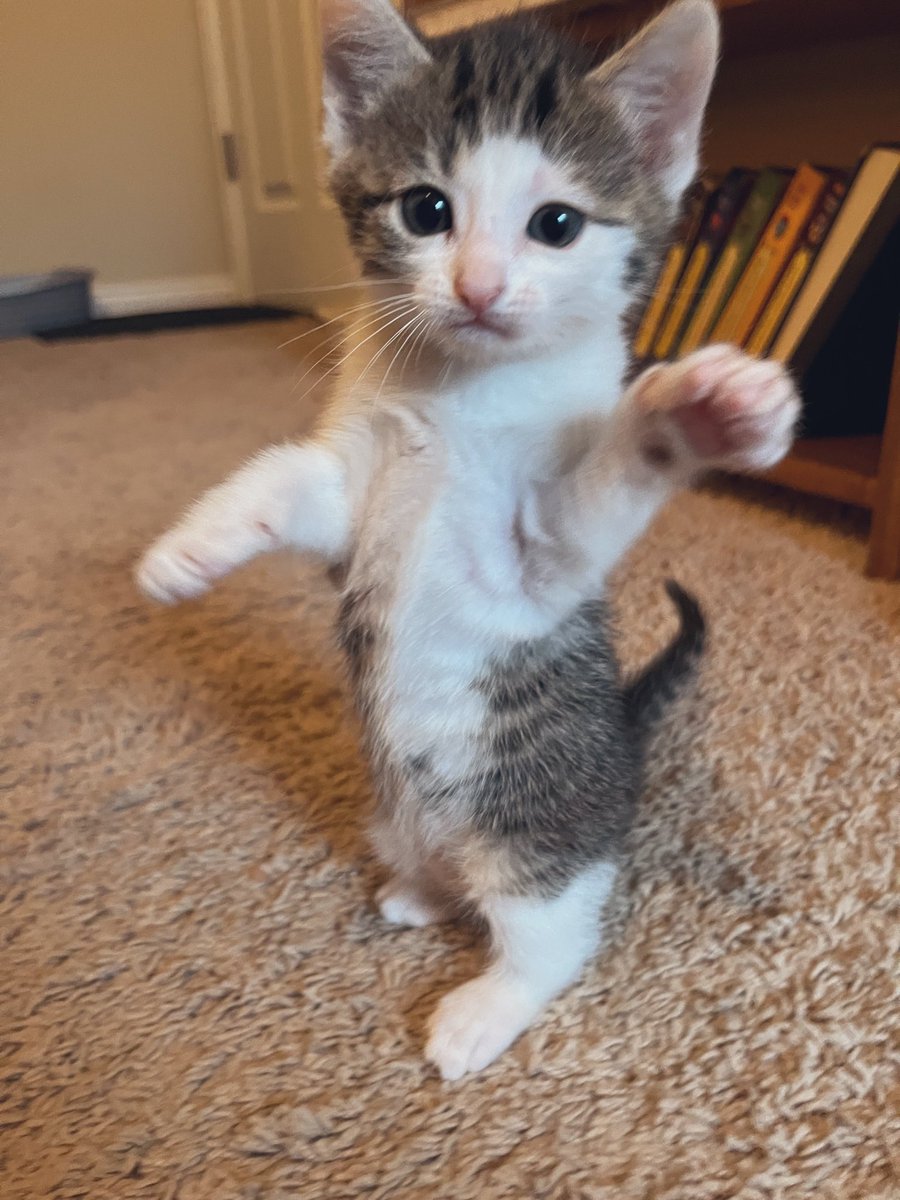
x=692, y=276
x=760, y=283
x=702, y=319
x=782, y=299
x=773, y=253
x=652, y=317
x=728, y=324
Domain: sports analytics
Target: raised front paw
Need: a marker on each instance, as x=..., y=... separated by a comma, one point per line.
x=184, y=562
x=718, y=408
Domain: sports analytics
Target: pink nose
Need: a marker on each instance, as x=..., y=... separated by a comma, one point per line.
x=477, y=295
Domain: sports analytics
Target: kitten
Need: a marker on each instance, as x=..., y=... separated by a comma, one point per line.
x=482, y=467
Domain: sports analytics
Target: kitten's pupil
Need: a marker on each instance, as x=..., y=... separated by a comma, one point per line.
x=426, y=211
x=556, y=225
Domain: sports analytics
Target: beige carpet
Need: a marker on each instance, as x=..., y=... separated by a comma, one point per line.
x=198, y=1001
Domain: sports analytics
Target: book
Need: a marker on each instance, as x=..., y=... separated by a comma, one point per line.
x=767, y=191
x=863, y=224
x=847, y=385
x=673, y=265
x=723, y=207
x=770, y=257
x=776, y=309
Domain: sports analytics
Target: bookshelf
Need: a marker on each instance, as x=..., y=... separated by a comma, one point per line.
x=748, y=26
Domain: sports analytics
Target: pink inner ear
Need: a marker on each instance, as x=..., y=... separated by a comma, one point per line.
x=669, y=103
x=662, y=79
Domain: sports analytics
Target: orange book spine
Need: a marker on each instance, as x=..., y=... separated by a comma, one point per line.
x=775, y=248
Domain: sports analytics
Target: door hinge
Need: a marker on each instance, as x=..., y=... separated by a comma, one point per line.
x=230, y=157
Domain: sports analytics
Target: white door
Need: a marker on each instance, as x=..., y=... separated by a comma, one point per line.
x=262, y=72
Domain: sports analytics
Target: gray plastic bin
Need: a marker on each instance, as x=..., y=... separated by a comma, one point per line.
x=34, y=303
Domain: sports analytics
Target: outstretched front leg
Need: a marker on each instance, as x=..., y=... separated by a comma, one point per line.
x=715, y=409
x=294, y=495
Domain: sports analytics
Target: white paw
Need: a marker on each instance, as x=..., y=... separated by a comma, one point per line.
x=184, y=562
x=401, y=904
x=475, y=1023
x=725, y=408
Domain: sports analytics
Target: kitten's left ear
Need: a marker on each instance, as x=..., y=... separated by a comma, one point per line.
x=366, y=46
x=662, y=79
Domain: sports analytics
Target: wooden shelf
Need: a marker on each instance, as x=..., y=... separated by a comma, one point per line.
x=748, y=26
x=858, y=470
x=844, y=468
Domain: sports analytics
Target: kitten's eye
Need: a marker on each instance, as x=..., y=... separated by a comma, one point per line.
x=556, y=225
x=426, y=211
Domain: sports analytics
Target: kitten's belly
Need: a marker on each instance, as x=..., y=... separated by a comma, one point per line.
x=442, y=573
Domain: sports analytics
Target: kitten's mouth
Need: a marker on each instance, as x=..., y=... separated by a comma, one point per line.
x=484, y=324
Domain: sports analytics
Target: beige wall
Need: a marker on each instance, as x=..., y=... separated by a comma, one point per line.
x=106, y=159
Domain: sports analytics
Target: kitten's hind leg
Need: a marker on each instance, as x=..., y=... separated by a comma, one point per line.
x=419, y=892
x=415, y=901
x=539, y=948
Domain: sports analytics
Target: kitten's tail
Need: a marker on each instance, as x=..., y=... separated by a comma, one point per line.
x=651, y=690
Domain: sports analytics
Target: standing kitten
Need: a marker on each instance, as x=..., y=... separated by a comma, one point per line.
x=480, y=470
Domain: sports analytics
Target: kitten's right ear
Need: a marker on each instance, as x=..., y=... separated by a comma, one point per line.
x=366, y=46
x=661, y=79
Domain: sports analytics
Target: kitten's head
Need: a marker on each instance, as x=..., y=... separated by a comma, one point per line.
x=520, y=194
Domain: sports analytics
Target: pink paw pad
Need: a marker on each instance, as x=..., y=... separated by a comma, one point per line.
x=729, y=409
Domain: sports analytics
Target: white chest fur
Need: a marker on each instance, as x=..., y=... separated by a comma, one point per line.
x=437, y=548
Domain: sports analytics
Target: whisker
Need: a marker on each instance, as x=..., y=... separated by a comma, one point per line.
x=418, y=341
x=372, y=360
x=362, y=323
x=320, y=325
x=347, y=312
x=336, y=340
x=340, y=363
x=381, y=310
x=415, y=327
x=384, y=325
x=316, y=382
x=429, y=324
x=337, y=287
x=336, y=346
x=386, y=345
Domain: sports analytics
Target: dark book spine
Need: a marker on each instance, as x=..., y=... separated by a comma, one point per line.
x=721, y=213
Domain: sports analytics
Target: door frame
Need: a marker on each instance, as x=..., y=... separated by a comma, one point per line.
x=223, y=126
x=223, y=111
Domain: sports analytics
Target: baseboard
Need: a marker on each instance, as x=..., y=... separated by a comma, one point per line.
x=163, y=295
